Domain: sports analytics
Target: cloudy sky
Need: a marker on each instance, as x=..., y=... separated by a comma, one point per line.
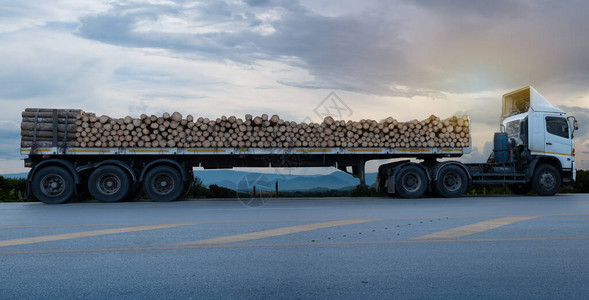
x=406, y=59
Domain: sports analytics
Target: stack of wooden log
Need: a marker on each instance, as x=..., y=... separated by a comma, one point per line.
x=45, y=127
x=173, y=130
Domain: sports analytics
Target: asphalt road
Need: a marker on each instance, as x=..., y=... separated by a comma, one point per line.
x=344, y=248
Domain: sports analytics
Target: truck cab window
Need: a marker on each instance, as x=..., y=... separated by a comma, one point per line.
x=557, y=126
x=524, y=131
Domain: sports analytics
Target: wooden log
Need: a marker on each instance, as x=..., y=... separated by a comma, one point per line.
x=262, y=131
x=50, y=120
x=47, y=126
x=176, y=116
x=60, y=114
x=46, y=138
x=30, y=133
x=51, y=110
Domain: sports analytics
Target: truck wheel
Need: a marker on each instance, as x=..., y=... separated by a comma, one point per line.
x=452, y=182
x=546, y=180
x=520, y=188
x=53, y=185
x=411, y=182
x=109, y=184
x=163, y=184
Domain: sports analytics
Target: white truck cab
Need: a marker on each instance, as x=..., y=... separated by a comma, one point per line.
x=536, y=126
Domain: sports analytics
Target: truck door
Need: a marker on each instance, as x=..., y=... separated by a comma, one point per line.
x=557, y=139
x=537, y=134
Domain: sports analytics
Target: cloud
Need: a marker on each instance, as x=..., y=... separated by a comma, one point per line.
x=9, y=140
x=457, y=46
x=353, y=53
x=257, y=2
x=210, y=29
x=478, y=155
x=17, y=15
x=9, y=134
x=461, y=8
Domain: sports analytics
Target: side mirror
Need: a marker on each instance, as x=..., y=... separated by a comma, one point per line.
x=573, y=123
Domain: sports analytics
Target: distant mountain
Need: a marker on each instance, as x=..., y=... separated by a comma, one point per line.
x=15, y=175
x=245, y=180
x=239, y=180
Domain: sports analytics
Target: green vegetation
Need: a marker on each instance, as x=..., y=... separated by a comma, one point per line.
x=582, y=183
x=365, y=191
x=198, y=190
x=12, y=190
x=488, y=190
x=316, y=194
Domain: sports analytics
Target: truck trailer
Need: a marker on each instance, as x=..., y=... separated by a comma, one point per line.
x=534, y=150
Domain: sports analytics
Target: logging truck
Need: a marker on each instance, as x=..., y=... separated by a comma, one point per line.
x=534, y=150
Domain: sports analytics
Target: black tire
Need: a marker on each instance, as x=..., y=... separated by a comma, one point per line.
x=520, y=188
x=546, y=180
x=452, y=182
x=163, y=184
x=109, y=184
x=53, y=185
x=411, y=182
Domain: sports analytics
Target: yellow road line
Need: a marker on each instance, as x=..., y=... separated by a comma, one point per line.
x=273, y=232
x=75, y=235
x=463, y=231
x=74, y=225
x=298, y=245
x=283, y=220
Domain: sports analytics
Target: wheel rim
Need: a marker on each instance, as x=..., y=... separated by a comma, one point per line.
x=411, y=182
x=547, y=180
x=452, y=181
x=52, y=185
x=108, y=184
x=162, y=184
